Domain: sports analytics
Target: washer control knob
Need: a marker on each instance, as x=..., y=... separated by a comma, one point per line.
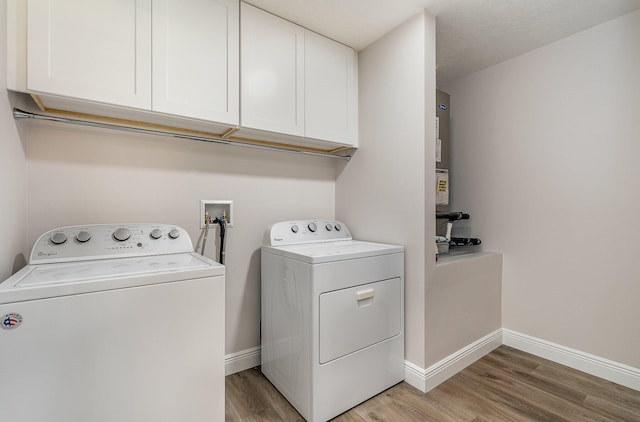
x=329, y=227
x=83, y=236
x=174, y=233
x=338, y=227
x=312, y=227
x=121, y=234
x=156, y=234
x=295, y=228
x=58, y=238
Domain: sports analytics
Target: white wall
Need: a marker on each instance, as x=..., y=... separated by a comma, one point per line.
x=464, y=301
x=12, y=174
x=545, y=154
x=78, y=175
x=381, y=194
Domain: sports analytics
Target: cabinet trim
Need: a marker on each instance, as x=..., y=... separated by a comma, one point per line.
x=84, y=119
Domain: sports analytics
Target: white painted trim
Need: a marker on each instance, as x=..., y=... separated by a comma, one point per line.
x=415, y=375
x=585, y=362
x=427, y=379
x=244, y=359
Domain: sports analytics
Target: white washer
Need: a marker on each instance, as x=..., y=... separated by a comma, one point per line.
x=332, y=316
x=113, y=323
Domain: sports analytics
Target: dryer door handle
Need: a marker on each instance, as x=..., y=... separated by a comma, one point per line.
x=364, y=294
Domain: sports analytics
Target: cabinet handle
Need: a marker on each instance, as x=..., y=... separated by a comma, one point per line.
x=364, y=294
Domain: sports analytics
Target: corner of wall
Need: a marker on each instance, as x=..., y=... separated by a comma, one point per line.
x=12, y=173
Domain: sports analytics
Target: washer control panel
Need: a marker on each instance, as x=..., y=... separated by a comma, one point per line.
x=306, y=231
x=103, y=241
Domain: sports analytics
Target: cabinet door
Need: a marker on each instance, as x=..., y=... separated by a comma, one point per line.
x=196, y=59
x=97, y=50
x=272, y=74
x=330, y=90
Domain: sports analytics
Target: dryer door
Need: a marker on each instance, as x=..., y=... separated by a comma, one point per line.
x=357, y=317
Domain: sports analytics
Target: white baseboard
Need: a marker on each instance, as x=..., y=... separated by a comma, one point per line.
x=427, y=379
x=239, y=361
x=422, y=379
x=585, y=362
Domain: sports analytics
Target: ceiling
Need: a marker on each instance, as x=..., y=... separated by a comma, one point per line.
x=471, y=34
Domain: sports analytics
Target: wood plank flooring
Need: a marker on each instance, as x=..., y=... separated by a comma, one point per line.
x=505, y=385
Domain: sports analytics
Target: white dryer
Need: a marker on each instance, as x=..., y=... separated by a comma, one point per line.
x=332, y=316
x=113, y=323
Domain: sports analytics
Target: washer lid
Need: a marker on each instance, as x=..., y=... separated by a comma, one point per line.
x=316, y=253
x=59, y=279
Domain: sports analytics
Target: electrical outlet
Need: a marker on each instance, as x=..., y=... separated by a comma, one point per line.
x=216, y=208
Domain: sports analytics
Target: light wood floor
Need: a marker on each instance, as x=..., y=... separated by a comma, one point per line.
x=505, y=385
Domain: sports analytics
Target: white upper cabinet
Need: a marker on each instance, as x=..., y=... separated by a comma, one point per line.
x=94, y=50
x=331, y=94
x=272, y=73
x=296, y=82
x=222, y=67
x=179, y=57
x=196, y=59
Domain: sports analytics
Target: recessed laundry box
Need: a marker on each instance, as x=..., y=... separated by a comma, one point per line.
x=332, y=316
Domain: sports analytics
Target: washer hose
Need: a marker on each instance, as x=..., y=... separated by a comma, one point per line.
x=204, y=240
x=222, y=222
x=223, y=230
